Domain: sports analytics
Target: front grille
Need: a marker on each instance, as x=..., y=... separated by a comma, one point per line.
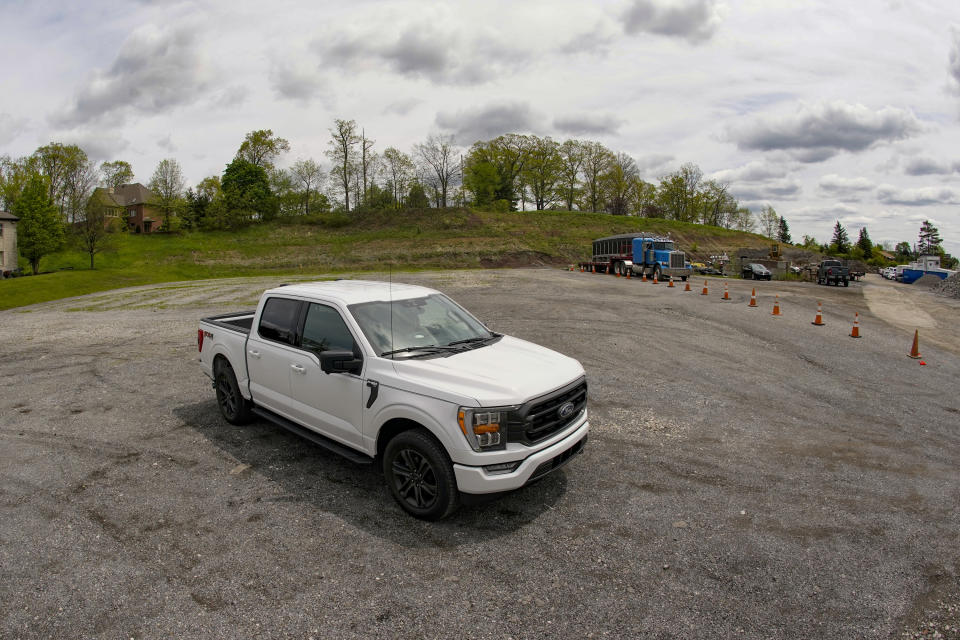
x=539, y=419
x=678, y=260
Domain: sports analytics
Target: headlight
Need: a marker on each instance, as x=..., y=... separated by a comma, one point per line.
x=484, y=428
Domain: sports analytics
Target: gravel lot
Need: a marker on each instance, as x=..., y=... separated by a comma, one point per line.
x=746, y=477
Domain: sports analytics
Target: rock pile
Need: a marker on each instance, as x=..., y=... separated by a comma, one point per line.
x=949, y=288
x=928, y=281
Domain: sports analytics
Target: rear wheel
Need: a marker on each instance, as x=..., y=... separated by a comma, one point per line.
x=420, y=475
x=234, y=408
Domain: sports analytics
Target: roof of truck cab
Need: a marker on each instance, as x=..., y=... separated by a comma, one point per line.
x=353, y=291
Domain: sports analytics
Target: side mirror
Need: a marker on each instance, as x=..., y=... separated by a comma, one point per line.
x=340, y=361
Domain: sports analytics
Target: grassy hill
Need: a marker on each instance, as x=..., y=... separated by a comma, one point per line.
x=405, y=240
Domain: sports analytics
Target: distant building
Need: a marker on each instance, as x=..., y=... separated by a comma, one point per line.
x=132, y=203
x=8, y=242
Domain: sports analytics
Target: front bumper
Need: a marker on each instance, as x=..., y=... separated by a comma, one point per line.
x=477, y=480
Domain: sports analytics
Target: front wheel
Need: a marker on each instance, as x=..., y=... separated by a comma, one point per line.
x=234, y=408
x=420, y=475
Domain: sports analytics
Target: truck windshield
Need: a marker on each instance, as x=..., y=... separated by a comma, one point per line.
x=404, y=325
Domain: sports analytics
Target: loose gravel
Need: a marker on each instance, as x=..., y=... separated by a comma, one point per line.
x=747, y=476
x=949, y=287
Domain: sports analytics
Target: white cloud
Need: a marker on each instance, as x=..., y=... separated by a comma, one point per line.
x=156, y=70
x=834, y=186
x=890, y=194
x=819, y=131
x=692, y=20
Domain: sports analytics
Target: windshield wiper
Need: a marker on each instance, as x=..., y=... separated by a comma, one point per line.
x=426, y=347
x=475, y=339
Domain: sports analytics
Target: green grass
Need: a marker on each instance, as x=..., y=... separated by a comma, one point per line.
x=407, y=240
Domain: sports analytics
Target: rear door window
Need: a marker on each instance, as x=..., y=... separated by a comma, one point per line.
x=278, y=321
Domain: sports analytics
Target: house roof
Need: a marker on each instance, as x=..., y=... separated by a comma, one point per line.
x=127, y=194
x=6, y=215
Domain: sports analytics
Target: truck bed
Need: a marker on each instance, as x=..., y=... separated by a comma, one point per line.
x=240, y=322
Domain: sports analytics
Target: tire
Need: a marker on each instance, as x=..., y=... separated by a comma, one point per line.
x=420, y=475
x=234, y=408
x=846, y=283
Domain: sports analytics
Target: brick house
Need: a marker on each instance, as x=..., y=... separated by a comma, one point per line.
x=132, y=203
x=8, y=243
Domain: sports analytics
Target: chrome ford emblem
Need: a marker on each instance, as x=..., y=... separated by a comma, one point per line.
x=566, y=410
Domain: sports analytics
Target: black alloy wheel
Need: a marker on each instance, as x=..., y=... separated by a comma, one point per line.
x=233, y=407
x=420, y=475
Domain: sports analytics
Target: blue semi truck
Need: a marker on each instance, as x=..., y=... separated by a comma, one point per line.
x=638, y=254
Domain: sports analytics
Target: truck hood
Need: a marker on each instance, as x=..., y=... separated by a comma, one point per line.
x=507, y=372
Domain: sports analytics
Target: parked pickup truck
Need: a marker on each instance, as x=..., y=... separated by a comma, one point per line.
x=833, y=272
x=401, y=376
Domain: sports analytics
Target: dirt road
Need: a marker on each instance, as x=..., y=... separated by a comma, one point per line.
x=747, y=476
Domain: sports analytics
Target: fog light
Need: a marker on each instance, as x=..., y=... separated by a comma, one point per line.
x=503, y=467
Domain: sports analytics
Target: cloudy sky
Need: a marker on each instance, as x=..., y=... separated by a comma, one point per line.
x=827, y=111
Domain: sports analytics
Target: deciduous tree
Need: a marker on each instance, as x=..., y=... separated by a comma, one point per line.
x=439, y=158
x=618, y=183
x=93, y=233
x=571, y=161
x=343, y=139
x=167, y=185
x=769, y=222
x=309, y=175
x=400, y=171
x=597, y=160
x=116, y=173
x=542, y=171
x=262, y=148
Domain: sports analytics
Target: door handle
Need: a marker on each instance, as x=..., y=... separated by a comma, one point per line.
x=298, y=368
x=255, y=354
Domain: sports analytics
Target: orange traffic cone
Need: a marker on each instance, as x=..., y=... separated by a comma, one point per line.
x=753, y=298
x=704, y=292
x=687, y=288
x=819, y=321
x=617, y=272
x=654, y=277
x=671, y=282
x=776, y=306
x=629, y=271
x=915, y=351
x=726, y=292
x=644, y=277
x=855, y=333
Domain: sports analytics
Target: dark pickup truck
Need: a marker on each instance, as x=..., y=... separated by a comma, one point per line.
x=833, y=272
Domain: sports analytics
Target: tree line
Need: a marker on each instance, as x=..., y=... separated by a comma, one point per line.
x=511, y=172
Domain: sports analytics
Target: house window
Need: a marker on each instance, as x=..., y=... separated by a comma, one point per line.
x=1, y=229
x=1, y=259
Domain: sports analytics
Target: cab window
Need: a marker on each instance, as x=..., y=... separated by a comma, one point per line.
x=324, y=329
x=278, y=321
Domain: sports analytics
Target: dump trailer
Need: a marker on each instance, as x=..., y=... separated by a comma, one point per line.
x=640, y=254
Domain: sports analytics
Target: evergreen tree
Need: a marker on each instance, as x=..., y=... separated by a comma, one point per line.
x=865, y=244
x=841, y=241
x=783, y=232
x=39, y=231
x=930, y=240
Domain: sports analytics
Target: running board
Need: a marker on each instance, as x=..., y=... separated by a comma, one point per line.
x=330, y=445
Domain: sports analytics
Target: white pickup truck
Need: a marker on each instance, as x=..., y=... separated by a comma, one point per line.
x=403, y=376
